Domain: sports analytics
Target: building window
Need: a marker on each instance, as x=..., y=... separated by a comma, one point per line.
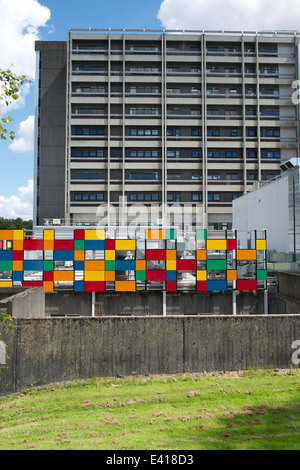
x=214, y=197
x=196, y=197
x=197, y=132
x=213, y=132
x=196, y=153
x=88, y=197
x=143, y=132
x=144, y=89
x=232, y=154
x=213, y=154
x=87, y=153
x=144, y=176
x=173, y=153
x=143, y=153
x=134, y=111
x=143, y=197
x=174, y=197
x=88, y=175
x=89, y=131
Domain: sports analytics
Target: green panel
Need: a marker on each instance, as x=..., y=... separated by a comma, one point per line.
x=201, y=235
x=141, y=275
x=79, y=245
x=262, y=275
x=171, y=234
x=48, y=265
x=6, y=265
x=110, y=265
x=216, y=265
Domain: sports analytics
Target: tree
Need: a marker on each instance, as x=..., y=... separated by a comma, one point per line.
x=10, y=84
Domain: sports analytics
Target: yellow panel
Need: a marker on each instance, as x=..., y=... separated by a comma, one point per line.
x=94, y=265
x=171, y=265
x=94, y=276
x=79, y=255
x=94, y=234
x=125, y=286
x=48, y=286
x=18, y=245
x=125, y=245
x=201, y=255
x=6, y=284
x=17, y=265
x=171, y=254
x=140, y=265
x=18, y=235
x=110, y=276
x=110, y=255
x=155, y=234
x=246, y=255
x=261, y=244
x=201, y=275
x=49, y=234
x=64, y=276
x=48, y=245
x=6, y=234
x=231, y=275
x=216, y=244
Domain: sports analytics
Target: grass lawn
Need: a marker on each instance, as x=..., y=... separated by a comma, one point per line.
x=220, y=411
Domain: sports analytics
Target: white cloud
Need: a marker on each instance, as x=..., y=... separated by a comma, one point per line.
x=20, y=23
x=254, y=15
x=20, y=205
x=24, y=140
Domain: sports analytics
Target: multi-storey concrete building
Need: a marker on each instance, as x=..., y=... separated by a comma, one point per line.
x=161, y=118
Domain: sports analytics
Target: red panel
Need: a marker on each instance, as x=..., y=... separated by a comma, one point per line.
x=186, y=265
x=79, y=234
x=33, y=244
x=202, y=286
x=94, y=286
x=32, y=284
x=48, y=276
x=246, y=285
x=156, y=255
x=231, y=244
x=109, y=244
x=18, y=255
x=63, y=245
x=171, y=286
x=156, y=275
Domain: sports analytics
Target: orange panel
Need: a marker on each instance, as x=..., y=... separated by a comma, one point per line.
x=64, y=276
x=78, y=255
x=94, y=265
x=125, y=286
x=246, y=255
x=171, y=255
x=48, y=286
x=155, y=234
x=17, y=265
x=201, y=255
x=48, y=245
x=6, y=234
x=17, y=245
x=231, y=275
x=140, y=265
x=110, y=276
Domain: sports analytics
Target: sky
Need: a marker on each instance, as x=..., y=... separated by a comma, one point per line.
x=25, y=21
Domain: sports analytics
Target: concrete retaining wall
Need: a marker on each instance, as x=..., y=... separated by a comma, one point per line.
x=44, y=351
x=23, y=302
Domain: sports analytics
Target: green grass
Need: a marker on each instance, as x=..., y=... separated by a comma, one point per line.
x=222, y=411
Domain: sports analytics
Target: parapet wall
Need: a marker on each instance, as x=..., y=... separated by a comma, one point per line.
x=45, y=351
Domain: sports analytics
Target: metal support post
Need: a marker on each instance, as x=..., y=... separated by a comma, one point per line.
x=266, y=310
x=234, y=302
x=93, y=303
x=164, y=303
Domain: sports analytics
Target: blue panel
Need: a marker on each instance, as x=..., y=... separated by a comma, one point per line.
x=6, y=255
x=125, y=265
x=79, y=286
x=63, y=255
x=17, y=276
x=33, y=265
x=79, y=265
x=171, y=275
x=216, y=285
x=94, y=244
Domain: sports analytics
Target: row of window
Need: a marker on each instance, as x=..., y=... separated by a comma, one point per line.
x=81, y=153
x=149, y=197
x=94, y=89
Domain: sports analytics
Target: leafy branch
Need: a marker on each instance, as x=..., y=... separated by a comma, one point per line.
x=10, y=84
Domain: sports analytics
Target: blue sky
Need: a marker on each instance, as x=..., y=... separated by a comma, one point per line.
x=24, y=21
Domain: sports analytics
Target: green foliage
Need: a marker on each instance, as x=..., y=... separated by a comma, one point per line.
x=10, y=84
x=15, y=224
